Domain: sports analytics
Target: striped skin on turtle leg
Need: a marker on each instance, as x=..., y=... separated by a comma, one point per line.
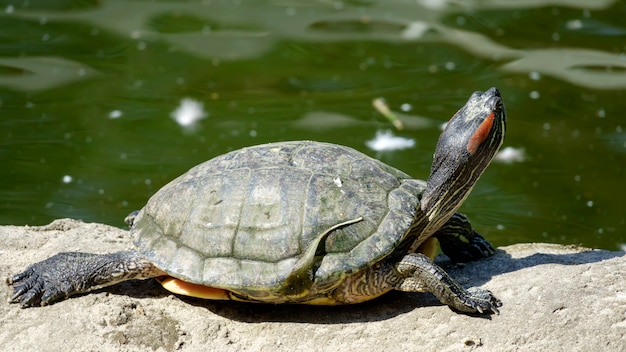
x=365, y=285
x=66, y=274
x=414, y=273
x=460, y=242
x=420, y=274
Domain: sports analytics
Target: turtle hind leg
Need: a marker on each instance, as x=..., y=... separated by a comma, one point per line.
x=65, y=274
x=418, y=273
x=460, y=242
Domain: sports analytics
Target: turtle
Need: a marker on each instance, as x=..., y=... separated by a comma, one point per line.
x=300, y=222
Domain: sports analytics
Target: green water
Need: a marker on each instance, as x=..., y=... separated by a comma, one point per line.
x=87, y=89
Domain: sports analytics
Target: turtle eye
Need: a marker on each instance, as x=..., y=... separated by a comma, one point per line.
x=475, y=95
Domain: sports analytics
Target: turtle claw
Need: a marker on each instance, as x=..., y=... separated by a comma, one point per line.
x=26, y=289
x=482, y=301
x=40, y=284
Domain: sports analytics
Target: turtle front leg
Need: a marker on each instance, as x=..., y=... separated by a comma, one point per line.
x=66, y=274
x=417, y=273
x=460, y=242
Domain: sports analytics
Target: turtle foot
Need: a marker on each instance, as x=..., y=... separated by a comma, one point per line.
x=38, y=285
x=481, y=301
x=476, y=248
x=461, y=243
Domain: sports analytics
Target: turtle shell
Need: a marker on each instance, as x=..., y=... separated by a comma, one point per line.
x=244, y=220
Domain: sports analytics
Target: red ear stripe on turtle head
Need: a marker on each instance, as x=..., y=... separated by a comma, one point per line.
x=481, y=134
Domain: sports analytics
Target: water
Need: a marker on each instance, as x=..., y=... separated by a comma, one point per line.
x=88, y=90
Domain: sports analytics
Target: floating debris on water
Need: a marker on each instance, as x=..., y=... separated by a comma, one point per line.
x=381, y=106
x=386, y=141
x=188, y=113
x=509, y=155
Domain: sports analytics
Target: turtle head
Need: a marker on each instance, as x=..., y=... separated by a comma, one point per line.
x=465, y=148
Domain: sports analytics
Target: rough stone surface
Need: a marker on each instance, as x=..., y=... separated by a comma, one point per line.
x=556, y=298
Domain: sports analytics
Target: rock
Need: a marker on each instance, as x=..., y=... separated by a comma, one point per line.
x=556, y=298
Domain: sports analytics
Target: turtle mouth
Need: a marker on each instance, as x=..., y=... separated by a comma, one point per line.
x=496, y=101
